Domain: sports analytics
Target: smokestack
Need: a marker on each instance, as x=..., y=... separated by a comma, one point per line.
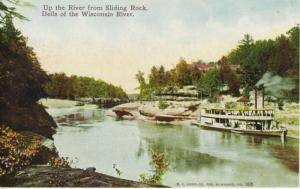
x=263, y=98
x=255, y=94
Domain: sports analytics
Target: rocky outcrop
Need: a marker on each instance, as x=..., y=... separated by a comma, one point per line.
x=30, y=118
x=128, y=106
x=47, y=176
x=150, y=110
x=186, y=93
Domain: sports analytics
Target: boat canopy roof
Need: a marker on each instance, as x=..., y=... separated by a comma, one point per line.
x=241, y=109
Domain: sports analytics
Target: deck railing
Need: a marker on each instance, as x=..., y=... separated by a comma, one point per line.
x=239, y=117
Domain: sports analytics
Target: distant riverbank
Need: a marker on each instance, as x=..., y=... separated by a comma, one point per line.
x=190, y=111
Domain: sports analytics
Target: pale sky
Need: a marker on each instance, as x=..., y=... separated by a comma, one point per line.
x=114, y=49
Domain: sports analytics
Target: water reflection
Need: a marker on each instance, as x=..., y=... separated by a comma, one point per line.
x=191, y=150
x=195, y=155
x=80, y=117
x=176, y=142
x=288, y=155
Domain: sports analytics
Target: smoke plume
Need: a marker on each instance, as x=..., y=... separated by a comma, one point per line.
x=275, y=85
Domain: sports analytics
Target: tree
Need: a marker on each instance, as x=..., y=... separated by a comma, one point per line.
x=64, y=87
x=170, y=77
x=21, y=77
x=153, y=77
x=210, y=81
x=145, y=90
x=293, y=71
x=183, y=73
x=161, y=77
x=229, y=77
x=282, y=56
x=238, y=55
x=6, y=10
x=195, y=74
x=279, y=57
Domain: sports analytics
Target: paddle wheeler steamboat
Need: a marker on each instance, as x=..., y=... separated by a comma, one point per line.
x=243, y=121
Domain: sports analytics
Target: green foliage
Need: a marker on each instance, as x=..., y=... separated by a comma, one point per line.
x=244, y=47
x=145, y=90
x=62, y=86
x=211, y=81
x=195, y=75
x=160, y=166
x=279, y=57
x=162, y=104
x=117, y=170
x=21, y=77
x=230, y=105
x=183, y=73
x=7, y=8
x=229, y=77
x=161, y=79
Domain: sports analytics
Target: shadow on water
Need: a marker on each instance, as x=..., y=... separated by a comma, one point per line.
x=285, y=151
x=81, y=117
x=181, y=144
x=288, y=155
x=172, y=140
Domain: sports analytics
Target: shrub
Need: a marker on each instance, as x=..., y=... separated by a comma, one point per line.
x=15, y=153
x=60, y=162
x=162, y=104
x=230, y=105
x=160, y=166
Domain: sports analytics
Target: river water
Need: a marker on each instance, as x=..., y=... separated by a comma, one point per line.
x=197, y=157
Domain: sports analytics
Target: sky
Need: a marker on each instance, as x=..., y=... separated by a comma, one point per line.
x=114, y=49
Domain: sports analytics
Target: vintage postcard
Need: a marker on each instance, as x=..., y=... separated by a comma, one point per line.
x=149, y=93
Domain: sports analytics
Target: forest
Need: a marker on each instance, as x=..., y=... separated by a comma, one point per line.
x=64, y=87
x=251, y=60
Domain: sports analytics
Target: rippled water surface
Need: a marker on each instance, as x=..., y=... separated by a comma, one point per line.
x=197, y=157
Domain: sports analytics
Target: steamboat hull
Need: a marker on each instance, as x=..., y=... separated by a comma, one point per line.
x=269, y=133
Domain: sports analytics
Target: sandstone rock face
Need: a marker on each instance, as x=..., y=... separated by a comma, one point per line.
x=150, y=109
x=186, y=93
x=175, y=111
x=128, y=106
x=30, y=118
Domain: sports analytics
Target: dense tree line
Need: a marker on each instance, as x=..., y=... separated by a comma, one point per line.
x=255, y=58
x=21, y=77
x=209, y=82
x=180, y=76
x=64, y=87
x=279, y=57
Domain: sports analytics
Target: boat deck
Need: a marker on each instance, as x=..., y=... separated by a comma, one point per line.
x=276, y=133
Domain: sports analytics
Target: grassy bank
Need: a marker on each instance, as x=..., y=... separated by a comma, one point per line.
x=289, y=118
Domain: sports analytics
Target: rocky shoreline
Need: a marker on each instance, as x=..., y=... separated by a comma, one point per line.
x=24, y=162
x=47, y=176
x=184, y=111
x=42, y=174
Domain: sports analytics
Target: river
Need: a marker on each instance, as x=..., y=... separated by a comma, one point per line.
x=197, y=157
